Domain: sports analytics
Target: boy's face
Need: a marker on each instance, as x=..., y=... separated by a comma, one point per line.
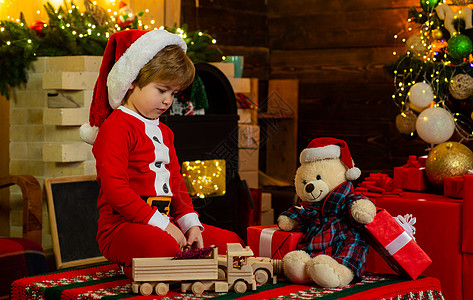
x=152, y=100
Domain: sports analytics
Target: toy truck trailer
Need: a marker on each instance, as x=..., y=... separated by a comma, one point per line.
x=237, y=270
x=154, y=273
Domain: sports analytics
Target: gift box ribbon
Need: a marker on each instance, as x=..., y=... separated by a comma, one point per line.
x=265, y=249
x=413, y=162
x=399, y=242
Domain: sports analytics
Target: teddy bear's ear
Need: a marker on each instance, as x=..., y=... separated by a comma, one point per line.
x=353, y=173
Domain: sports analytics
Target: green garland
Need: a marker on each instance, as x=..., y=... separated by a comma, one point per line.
x=72, y=32
x=199, y=44
x=18, y=45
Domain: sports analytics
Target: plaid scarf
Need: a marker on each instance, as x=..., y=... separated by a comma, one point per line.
x=329, y=229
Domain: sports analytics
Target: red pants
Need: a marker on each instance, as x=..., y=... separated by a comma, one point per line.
x=139, y=240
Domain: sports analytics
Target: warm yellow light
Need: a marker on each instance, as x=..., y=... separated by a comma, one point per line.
x=204, y=177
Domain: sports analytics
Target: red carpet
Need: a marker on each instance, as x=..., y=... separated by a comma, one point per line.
x=106, y=282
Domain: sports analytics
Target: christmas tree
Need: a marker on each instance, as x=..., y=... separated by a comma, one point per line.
x=433, y=78
x=433, y=83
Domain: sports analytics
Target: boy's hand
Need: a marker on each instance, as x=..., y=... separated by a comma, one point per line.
x=194, y=237
x=176, y=234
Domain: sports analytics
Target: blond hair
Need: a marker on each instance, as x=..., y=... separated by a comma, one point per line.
x=169, y=66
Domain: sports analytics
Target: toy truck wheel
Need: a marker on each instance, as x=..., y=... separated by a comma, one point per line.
x=198, y=288
x=261, y=276
x=222, y=273
x=240, y=287
x=161, y=288
x=146, y=289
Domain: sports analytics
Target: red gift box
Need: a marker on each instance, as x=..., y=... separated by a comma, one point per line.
x=412, y=175
x=270, y=241
x=378, y=185
x=453, y=187
x=396, y=246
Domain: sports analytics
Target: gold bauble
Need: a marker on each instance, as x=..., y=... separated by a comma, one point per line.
x=406, y=122
x=417, y=108
x=417, y=45
x=437, y=34
x=448, y=159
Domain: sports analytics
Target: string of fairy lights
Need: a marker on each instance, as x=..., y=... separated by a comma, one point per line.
x=206, y=177
x=438, y=57
x=114, y=15
x=84, y=30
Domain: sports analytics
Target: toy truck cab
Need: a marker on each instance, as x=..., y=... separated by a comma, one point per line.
x=237, y=264
x=240, y=261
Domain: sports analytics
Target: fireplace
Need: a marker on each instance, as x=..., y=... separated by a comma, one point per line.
x=213, y=139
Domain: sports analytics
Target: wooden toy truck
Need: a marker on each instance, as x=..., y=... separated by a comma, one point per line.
x=236, y=270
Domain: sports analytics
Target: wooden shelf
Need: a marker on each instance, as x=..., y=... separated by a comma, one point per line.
x=275, y=116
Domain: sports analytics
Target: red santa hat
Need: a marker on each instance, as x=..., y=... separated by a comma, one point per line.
x=126, y=53
x=330, y=148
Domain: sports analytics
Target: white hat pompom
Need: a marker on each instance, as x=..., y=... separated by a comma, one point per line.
x=353, y=173
x=88, y=133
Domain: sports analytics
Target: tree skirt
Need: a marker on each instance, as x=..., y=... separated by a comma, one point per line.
x=107, y=282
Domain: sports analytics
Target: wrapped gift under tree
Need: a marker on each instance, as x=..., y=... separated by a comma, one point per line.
x=396, y=245
x=412, y=175
x=270, y=241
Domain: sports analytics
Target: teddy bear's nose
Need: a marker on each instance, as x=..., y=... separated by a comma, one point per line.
x=309, y=188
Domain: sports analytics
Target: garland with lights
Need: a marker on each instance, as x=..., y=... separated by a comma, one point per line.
x=433, y=79
x=72, y=32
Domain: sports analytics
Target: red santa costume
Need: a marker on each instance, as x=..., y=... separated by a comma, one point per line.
x=141, y=185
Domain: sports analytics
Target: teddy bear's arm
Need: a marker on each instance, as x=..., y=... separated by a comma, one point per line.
x=286, y=224
x=288, y=220
x=363, y=211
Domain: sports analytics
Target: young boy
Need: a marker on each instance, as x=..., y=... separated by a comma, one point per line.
x=144, y=207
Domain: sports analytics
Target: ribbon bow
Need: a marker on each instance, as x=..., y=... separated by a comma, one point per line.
x=407, y=222
x=412, y=162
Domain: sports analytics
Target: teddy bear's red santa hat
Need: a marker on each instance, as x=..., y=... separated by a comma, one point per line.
x=330, y=148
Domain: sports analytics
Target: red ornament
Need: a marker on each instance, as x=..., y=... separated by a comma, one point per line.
x=126, y=16
x=37, y=26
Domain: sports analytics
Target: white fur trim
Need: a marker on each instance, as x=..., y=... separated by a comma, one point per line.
x=313, y=154
x=189, y=220
x=159, y=220
x=353, y=173
x=88, y=134
x=126, y=69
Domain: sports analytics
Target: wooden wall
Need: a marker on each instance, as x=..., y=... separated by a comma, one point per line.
x=239, y=27
x=337, y=50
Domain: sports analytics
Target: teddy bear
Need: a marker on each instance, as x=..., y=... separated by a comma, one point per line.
x=332, y=250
